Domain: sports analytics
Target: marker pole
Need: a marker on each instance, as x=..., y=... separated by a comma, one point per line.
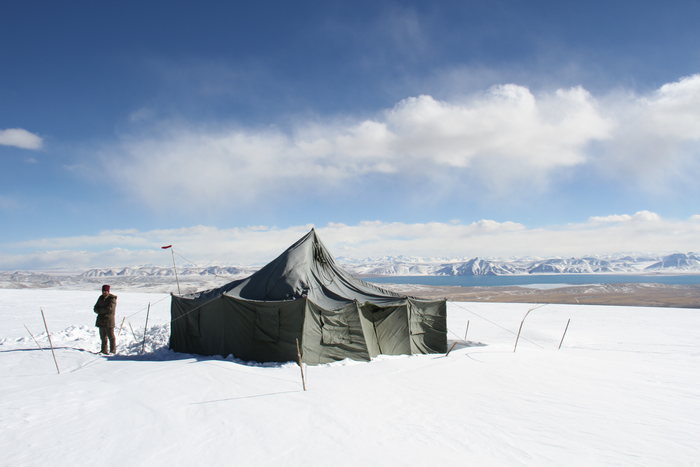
x=50, y=343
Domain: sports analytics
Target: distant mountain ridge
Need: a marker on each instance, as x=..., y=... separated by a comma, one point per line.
x=627, y=264
x=149, y=271
x=192, y=278
x=413, y=266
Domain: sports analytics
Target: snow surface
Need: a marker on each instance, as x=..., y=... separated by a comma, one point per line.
x=623, y=390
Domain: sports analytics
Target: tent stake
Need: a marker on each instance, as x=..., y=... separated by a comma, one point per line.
x=132, y=332
x=143, y=346
x=465, y=332
x=30, y=333
x=453, y=346
x=303, y=379
x=565, y=329
x=120, y=327
x=50, y=343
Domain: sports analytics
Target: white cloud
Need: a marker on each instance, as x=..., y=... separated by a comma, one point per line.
x=505, y=144
x=502, y=138
x=20, y=138
x=644, y=231
x=611, y=218
x=656, y=143
x=508, y=124
x=639, y=216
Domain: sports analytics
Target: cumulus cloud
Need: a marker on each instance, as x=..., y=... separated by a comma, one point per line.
x=500, y=138
x=504, y=143
x=20, y=138
x=639, y=216
x=507, y=124
x=656, y=142
x=643, y=232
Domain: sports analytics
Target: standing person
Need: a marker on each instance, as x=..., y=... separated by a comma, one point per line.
x=106, y=308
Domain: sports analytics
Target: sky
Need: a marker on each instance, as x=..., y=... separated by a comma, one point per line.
x=446, y=128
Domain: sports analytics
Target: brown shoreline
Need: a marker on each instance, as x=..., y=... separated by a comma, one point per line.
x=647, y=294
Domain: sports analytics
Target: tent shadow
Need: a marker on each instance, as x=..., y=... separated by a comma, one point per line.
x=167, y=355
x=44, y=349
x=464, y=344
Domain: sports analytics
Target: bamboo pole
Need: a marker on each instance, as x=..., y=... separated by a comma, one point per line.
x=120, y=327
x=175, y=268
x=132, y=332
x=30, y=333
x=50, y=343
x=522, y=322
x=453, y=346
x=303, y=378
x=565, y=329
x=143, y=346
x=518, y=336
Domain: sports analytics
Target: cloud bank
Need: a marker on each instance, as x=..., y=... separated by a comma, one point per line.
x=494, y=143
x=640, y=232
x=20, y=138
x=657, y=138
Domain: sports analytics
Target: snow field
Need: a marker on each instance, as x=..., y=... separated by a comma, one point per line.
x=623, y=390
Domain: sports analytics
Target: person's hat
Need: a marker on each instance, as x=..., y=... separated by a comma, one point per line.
x=105, y=288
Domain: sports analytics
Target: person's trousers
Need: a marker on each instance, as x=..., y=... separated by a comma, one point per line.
x=108, y=333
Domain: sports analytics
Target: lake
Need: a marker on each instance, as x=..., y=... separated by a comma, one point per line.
x=563, y=279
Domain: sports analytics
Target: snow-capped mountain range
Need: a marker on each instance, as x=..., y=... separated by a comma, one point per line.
x=620, y=264
x=150, y=271
x=191, y=278
x=413, y=266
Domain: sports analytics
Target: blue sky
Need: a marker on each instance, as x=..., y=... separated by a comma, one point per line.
x=416, y=128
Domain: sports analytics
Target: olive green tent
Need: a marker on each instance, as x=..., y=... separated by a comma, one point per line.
x=304, y=295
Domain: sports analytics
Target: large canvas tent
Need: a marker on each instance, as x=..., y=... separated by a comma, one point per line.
x=304, y=295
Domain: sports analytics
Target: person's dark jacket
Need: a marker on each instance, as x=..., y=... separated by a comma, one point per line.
x=106, y=308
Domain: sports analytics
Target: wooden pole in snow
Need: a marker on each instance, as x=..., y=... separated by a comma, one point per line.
x=523, y=321
x=132, y=332
x=30, y=333
x=175, y=268
x=50, y=343
x=143, y=346
x=465, y=332
x=120, y=327
x=565, y=329
x=453, y=346
x=303, y=379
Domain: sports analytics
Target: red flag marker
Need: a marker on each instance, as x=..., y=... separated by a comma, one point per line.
x=166, y=247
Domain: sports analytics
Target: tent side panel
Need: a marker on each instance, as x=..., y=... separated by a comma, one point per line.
x=389, y=325
x=333, y=335
x=428, y=320
x=178, y=325
x=269, y=332
x=196, y=326
x=252, y=331
x=231, y=331
x=369, y=331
